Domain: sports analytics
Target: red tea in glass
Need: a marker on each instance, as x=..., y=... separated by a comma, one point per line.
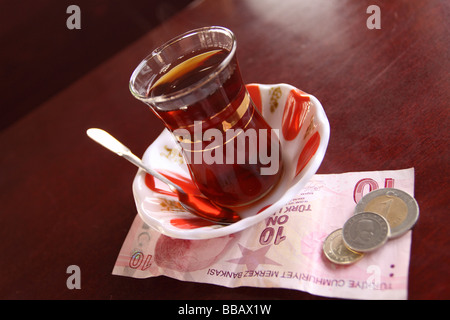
x=193, y=84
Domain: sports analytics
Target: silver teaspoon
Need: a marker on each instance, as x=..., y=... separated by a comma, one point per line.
x=200, y=206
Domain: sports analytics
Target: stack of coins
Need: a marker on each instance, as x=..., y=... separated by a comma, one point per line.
x=380, y=215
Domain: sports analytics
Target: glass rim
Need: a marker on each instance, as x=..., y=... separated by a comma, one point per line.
x=182, y=92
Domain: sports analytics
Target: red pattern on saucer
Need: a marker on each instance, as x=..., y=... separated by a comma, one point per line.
x=304, y=132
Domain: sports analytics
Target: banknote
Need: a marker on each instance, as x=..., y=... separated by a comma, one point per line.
x=285, y=250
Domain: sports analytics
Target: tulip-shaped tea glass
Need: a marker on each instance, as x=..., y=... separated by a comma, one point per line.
x=193, y=84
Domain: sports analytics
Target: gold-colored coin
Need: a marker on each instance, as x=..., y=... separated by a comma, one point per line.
x=392, y=208
x=396, y=206
x=336, y=251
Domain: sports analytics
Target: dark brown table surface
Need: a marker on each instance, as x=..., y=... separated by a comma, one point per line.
x=66, y=201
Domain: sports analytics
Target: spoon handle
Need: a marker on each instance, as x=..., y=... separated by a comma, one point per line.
x=138, y=162
x=109, y=142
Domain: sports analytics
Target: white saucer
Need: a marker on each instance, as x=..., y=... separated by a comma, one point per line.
x=304, y=132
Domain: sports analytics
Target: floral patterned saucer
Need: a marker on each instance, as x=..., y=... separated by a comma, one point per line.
x=304, y=132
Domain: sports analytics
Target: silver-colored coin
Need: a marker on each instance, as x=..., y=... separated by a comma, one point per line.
x=398, y=207
x=336, y=251
x=365, y=231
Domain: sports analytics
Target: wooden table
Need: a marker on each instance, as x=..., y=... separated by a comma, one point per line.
x=65, y=201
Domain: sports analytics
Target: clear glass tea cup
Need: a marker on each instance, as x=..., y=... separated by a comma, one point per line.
x=194, y=85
